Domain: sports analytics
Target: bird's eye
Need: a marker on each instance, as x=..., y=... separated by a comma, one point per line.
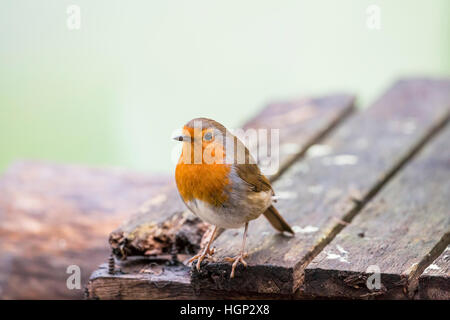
x=208, y=136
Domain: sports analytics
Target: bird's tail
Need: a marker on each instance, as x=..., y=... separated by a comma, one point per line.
x=276, y=220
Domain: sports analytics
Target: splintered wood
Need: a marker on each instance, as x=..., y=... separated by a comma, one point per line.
x=434, y=282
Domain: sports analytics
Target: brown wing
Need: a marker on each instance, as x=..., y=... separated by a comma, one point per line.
x=250, y=173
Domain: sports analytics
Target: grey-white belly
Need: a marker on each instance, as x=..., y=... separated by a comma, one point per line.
x=233, y=215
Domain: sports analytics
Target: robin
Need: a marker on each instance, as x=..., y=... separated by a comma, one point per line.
x=220, y=182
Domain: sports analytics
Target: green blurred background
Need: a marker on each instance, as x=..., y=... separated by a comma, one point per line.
x=113, y=92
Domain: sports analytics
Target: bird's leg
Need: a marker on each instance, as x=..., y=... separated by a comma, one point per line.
x=241, y=256
x=206, y=251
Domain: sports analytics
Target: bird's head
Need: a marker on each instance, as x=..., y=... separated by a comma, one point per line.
x=204, y=142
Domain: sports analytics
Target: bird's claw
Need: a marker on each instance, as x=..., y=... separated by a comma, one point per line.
x=235, y=261
x=201, y=256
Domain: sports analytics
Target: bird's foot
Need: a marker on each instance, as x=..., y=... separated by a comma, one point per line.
x=236, y=260
x=206, y=253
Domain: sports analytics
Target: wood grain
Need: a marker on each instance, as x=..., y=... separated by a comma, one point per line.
x=434, y=282
x=53, y=216
x=323, y=192
x=400, y=232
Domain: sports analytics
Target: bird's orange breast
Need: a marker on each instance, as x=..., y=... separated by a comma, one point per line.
x=206, y=182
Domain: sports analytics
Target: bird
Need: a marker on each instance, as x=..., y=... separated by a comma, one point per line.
x=220, y=182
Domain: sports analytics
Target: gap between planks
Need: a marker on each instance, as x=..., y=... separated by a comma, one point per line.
x=418, y=270
x=315, y=138
x=434, y=282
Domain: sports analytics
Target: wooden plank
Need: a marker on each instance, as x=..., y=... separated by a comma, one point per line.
x=142, y=279
x=397, y=235
x=324, y=191
x=303, y=122
x=151, y=279
x=53, y=216
x=164, y=225
x=434, y=282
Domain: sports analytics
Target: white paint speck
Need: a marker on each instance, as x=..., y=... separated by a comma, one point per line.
x=340, y=160
x=290, y=148
x=342, y=256
x=307, y=229
x=405, y=127
x=333, y=256
x=341, y=250
x=284, y=195
x=318, y=150
x=432, y=267
x=157, y=200
x=408, y=127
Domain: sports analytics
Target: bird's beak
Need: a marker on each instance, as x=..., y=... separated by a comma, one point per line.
x=182, y=138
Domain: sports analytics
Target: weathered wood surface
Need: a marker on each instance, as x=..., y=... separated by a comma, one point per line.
x=324, y=191
x=164, y=225
x=397, y=235
x=143, y=279
x=54, y=216
x=153, y=278
x=434, y=283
